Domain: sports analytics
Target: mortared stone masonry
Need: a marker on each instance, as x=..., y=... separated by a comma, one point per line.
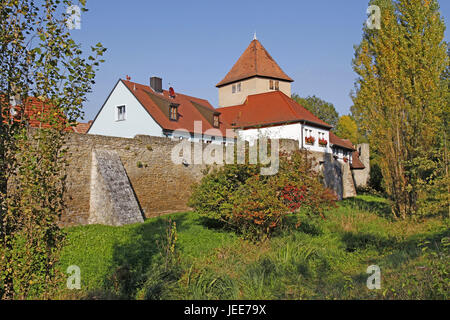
x=118, y=181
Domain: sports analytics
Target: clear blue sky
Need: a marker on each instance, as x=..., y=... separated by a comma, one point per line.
x=193, y=44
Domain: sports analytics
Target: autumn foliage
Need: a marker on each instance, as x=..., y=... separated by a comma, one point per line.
x=254, y=205
x=401, y=102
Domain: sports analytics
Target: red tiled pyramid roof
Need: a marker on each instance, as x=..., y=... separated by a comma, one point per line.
x=255, y=61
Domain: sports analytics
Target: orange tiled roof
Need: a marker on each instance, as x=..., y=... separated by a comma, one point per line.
x=190, y=109
x=345, y=143
x=255, y=61
x=356, y=162
x=34, y=108
x=82, y=127
x=268, y=109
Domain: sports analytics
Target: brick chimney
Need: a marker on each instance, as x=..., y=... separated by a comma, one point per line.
x=156, y=84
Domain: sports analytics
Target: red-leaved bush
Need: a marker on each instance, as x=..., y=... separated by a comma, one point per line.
x=293, y=196
x=258, y=205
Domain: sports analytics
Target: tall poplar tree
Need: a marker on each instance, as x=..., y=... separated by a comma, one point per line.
x=346, y=128
x=400, y=100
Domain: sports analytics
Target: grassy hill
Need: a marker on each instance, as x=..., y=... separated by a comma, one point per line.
x=321, y=259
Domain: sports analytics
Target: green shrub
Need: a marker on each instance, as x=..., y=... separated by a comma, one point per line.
x=301, y=186
x=256, y=205
x=257, y=208
x=211, y=197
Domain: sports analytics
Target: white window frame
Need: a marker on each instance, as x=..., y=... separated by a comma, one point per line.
x=121, y=116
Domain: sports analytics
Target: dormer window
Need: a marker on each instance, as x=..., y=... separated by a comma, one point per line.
x=173, y=113
x=277, y=85
x=216, y=121
x=271, y=84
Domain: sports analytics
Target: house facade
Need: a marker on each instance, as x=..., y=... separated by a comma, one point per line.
x=135, y=109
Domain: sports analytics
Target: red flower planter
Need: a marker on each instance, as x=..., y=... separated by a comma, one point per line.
x=310, y=140
x=323, y=142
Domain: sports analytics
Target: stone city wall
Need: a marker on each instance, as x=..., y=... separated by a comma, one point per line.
x=159, y=185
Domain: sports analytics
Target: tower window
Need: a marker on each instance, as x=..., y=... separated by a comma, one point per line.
x=274, y=85
x=173, y=113
x=121, y=113
x=216, y=121
x=236, y=88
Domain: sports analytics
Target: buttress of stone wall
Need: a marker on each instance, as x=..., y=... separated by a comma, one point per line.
x=349, y=189
x=112, y=199
x=160, y=185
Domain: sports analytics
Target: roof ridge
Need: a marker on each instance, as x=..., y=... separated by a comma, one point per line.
x=256, y=56
x=284, y=96
x=177, y=93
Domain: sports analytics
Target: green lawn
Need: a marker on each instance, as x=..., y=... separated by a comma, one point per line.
x=322, y=259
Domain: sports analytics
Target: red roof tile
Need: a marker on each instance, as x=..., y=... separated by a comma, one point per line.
x=255, y=61
x=82, y=127
x=35, y=110
x=268, y=109
x=190, y=109
x=334, y=139
x=356, y=163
